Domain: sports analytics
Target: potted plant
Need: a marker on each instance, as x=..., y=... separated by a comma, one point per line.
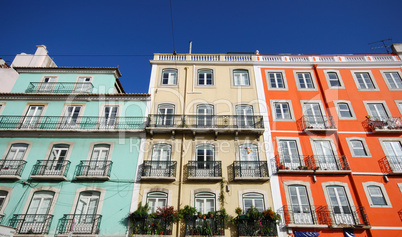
x=187, y=212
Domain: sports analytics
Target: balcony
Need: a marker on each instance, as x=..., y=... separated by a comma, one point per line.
x=60, y=87
x=391, y=164
x=97, y=170
x=79, y=224
x=11, y=169
x=248, y=226
x=50, y=169
x=349, y=217
x=294, y=164
x=159, y=170
x=331, y=164
x=250, y=170
x=151, y=226
x=318, y=124
x=306, y=216
x=211, y=225
x=389, y=125
x=63, y=123
x=35, y=224
x=205, y=123
x=205, y=170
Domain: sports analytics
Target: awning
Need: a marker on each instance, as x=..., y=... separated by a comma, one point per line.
x=349, y=232
x=305, y=234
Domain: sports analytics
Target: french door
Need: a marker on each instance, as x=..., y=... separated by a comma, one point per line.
x=290, y=154
x=12, y=163
x=32, y=117
x=245, y=116
x=109, y=118
x=325, y=155
x=84, y=216
x=54, y=165
x=99, y=158
x=300, y=205
x=313, y=115
x=37, y=214
x=394, y=152
x=340, y=205
x=47, y=85
x=83, y=85
x=165, y=115
x=205, y=115
x=70, y=117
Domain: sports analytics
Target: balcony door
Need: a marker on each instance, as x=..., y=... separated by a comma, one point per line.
x=340, y=205
x=85, y=212
x=47, y=85
x=165, y=117
x=325, y=155
x=289, y=154
x=205, y=161
x=98, y=162
x=205, y=115
x=109, y=118
x=249, y=161
x=13, y=161
x=245, y=116
x=300, y=205
x=83, y=85
x=37, y=214
x=161, y=160
x=55, y=164
x=313, y=115
x=378, y=111
x=394, y=152
x=70, y=117
x=32, y=117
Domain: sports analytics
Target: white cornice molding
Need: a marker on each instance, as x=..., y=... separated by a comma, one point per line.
x=73, y=97
x=113, y=71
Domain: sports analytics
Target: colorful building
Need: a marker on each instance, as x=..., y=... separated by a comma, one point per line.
x=70, y=140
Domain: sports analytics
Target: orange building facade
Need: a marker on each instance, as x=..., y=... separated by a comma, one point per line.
x=336, y=131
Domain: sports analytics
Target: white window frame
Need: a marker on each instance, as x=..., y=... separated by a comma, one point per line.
x=366, y=186
x=105, y=123
x=244, y=120
x=257, y=196
x=64, y=123
x=268, y=80
x=241, y=70
x=338, y=73
x=287, y=184
x=9, y=191
x=298, y=146
x=333, y=147
x=163, y=145
x=371, y=77
x=205, y=120
x=163, y=117
x=366, y=105
x=398, y=104
x=208, y=196
x=273, y=110
x=363, y=142
x=313, y=80
x=352, y=112
x=171, y=71
x=39, y=189
x=80, y=88
x=45, y=89
x=205, y=71
x=384, y=72
x=157, y=196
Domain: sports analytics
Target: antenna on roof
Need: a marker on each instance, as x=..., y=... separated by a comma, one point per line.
x=382, y=46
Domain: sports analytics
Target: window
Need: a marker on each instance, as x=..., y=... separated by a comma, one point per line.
x=289, y=153
x=377, y=111
x=86, y=210
x=325, y=155
x=253, y=200
x=340, y=205
x=313, y=115
x=333, y=79
x=205, y=156
x=358, y=147
x=275, y=80
x=156, y=200
x=249, y=160
x=165, y=115
x=13, y=163
x=109, y=117
x=344, y=110
x=169, y=76
x=83, y=85
x=55, y=163
x=240, y=77
x=205, y=202
x=304, y=80
x=70, y=117
x=300, y=204
x=394, y=80
x=364, y=81
x=282, y=111
x=245, y=116
x=32, y=117
x=377, y=198
x=98, y=165
x=205, y=77
x=393, y=150
x=47, y=85
x=161, y=158
x=205, y=115
x=376, y=194
x=37, y=211
x=3, y=196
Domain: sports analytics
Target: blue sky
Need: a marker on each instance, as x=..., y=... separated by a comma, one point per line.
x=135, y=27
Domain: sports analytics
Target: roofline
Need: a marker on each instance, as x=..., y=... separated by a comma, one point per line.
x=115, y=70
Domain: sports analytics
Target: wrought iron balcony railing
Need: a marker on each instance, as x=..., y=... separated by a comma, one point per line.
x=211, y=225
x=204, y=169
x=305, y=215
x=392, y=164
x=93, y=169
x=159, y=169
x=248, y=226
x=352, y=216
x=59, y=87
x=50, y=168
x=86, y=123
x=151, y=226
x=206, y=121
x=389, y=125
x=31, y=223
x=293, y=163
x=250, y=169
x=11, y=167
x=318, y=123
x=79, y=224
x=331, y=162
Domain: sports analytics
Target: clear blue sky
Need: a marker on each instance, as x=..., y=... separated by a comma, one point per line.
x=143, y=27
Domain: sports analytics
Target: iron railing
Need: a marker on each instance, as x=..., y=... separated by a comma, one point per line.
x=204, y=169
x=388, y=124
x=293, y=162
x=50, y=168
x=2, y=218
x=305, y=215
x=59, y=87
x=211, y=225
x=206, y=121
x=393, y=164
x=151, y=226
x=346, y=215
x=250, y=169
x=31, y=223
x=331, y=162
x=248, y=226
x=79, y=224
x=87, y=123
x=93, y=169
x=159, y=169
x=317, y=123
x=11, y=167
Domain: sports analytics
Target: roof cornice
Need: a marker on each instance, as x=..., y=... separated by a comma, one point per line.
x=80, y=70
x=72, y=97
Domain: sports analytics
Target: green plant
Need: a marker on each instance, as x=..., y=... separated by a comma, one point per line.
x=141, y=212
x=222, y=194
x=186, y=212
x=167, y=213
x=238, y=211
